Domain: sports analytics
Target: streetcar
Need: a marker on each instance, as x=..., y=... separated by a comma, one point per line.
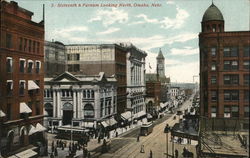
x=146, y=129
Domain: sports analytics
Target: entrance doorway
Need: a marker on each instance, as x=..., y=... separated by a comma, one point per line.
x=67, y=114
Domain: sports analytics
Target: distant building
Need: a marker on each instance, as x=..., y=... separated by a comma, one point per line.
x=54, y=59
x=174, y=92
x=21, y=80
x=136, y=87
x=90, y=59
x=80, y=100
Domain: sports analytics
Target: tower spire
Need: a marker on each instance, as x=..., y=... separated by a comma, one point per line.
x=43, y=12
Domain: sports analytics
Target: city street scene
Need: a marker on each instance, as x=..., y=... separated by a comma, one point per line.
x=124, y=78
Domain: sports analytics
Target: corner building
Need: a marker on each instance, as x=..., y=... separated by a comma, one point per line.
x=224, y=69
x=21, y=79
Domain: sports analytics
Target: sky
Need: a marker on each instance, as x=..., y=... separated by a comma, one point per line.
x=173, y=27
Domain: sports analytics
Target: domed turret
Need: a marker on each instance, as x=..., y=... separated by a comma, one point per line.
x=212, y=20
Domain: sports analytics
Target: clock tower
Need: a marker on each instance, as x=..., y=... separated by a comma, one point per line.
x=160, y=64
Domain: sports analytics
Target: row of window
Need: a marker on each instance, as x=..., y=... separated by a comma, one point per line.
x=231, y=65
x=73, y=67
x=26, y=45
x=36, y=104
x=231, y=79
x=231, y=51
x=230, y=111
x=73, y=57
x=229, y=95
x=22, y=87
x=23, y=65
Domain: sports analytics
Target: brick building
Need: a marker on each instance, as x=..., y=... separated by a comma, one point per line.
x=90, y=59
x=21, y=78
x=224, y=68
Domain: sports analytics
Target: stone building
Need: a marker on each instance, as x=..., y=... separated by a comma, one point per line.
x=90, y=59
x=136, y=88
x=80, y=100
x=21, y=79
x=54, y=58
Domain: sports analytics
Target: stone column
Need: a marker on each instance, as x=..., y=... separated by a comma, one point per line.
x=79, y=104
x=58, y=100
x=54, y=102
x=97, y=105
x=112, y=100
x=74, y=103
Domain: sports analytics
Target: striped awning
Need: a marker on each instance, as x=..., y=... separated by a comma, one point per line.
x=24, y=108
x=2, y=114
x=32, y=85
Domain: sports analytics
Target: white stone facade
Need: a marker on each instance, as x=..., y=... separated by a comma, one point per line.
x=82, y=99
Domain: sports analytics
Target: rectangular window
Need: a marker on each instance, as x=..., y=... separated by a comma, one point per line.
x=213, y=95
x=30, y=66
x=9, y=65
x=8, y=41
x=21, y=87
x=231, y=95
x=230, y=52
x=213, y=111
x=231, y=65
x=20, y=43
x=22, y=65
x=213, y=80
x=77, y=56
x=38, y=66
x=9, y=87
x=227, y=65
x=213, y=51
x=246, y=79
x=227, y=79
x=246, y=111
x=38, y=47
x=235, y=111
x=25, y=44
x=37, y=107
x=231, y=79
x=246, y=95
x=246, y=51
x=30, y=45
x=246, y=64
x=34, y=46
x=227, y=111
x=213, y=67
x=234, y=65
x=9, y=113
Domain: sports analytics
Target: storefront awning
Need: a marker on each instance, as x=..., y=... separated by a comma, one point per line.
x=40, y=127
x=126, y=115
x=32, y=85
x=32, y=130
x=149, y=116
x=24, y=108
x=89, y=124
x=111, y=122
x=140, y=114
x=162, y=105
x=2, y=114
x=104, y=124
x=26, y=154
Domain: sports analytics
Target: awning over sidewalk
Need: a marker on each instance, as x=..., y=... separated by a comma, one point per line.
x=111, y=121
x=2, y=114
x=40, y=127
x=104, y=124
x=32, y=85
x=149, y=116
x=32, y=130
x=126, y=115
x=89, y=124
x=26, y=154
x=140, y=114
x=24, y=108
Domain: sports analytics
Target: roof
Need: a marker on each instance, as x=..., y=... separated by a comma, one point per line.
x=153, y=77
x=160, y=55
x=212, y=13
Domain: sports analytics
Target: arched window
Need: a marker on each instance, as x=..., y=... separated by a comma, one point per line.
x=88, y=93
x=68, y=106
x=49, y=109
x=89, y=111
x=84, y=94
x=92, y=94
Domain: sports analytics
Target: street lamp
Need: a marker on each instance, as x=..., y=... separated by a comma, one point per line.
x=166, y=130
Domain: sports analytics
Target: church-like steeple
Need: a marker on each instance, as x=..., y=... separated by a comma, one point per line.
x=160, y=64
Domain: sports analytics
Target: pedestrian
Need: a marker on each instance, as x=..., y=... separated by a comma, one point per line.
x=116, y=134
x=184, y=152
x=176, y=153
x=142, y=149
x=56, y=153
x=89, y=155
x=138, y=138
x=151, y=154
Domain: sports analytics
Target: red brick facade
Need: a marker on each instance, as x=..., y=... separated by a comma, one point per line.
x=22, y=41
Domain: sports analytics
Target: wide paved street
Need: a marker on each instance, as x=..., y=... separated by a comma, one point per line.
x=128, y=147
